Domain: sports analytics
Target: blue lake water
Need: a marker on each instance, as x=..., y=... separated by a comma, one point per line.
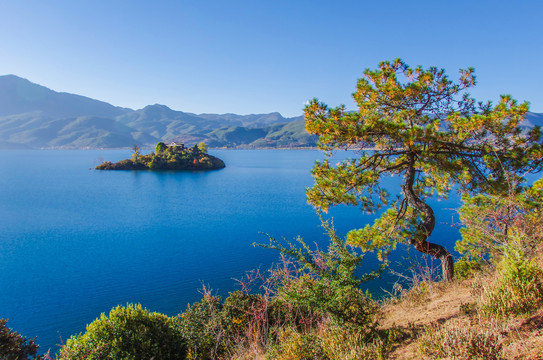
x=75, y=242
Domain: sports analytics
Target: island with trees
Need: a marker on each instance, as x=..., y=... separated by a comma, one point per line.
x=173, y=156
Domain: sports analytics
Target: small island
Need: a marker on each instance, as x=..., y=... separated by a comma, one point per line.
x=173, y=156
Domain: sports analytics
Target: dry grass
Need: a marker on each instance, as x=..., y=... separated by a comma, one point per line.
x=251, y=353
x=443, y=321
x=525, y=337
x=427, y=303
x=460, y=338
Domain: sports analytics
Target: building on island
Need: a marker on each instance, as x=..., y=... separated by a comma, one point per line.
x=176, y=145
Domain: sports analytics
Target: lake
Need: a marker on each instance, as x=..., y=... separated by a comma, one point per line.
x=75, y=242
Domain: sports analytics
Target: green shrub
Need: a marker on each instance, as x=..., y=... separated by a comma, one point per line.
x=319, y=298
x=243, y=314
x=518, y=288
x=202, y=328
x=128, y=333
x=491, y=221
x=214, y=330
x=466, y=268
x=324, y=284
x=14, y=346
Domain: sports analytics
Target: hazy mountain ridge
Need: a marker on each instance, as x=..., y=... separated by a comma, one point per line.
x=18, y=96
x=33, y=116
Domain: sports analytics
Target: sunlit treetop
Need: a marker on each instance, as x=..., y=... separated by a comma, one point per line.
x=417, y=123
x=404, y=111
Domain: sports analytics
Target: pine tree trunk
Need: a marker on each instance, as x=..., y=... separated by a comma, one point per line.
x=427, y=227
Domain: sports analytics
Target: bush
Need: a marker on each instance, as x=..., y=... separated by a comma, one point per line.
x=491, y=221
x=320, y=298
x=128, y=333
x=466, y=268
x=518, y=288
x=244, y=317
x=323, y=284
x=14, y=346
x=202, y=328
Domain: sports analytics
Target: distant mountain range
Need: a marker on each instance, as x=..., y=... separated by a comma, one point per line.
x=34, y=117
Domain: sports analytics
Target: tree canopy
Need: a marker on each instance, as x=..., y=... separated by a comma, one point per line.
x=202, y=148
x=416, y=123
x=160, y=147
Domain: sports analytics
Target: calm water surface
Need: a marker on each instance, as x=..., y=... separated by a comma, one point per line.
x=75, y=242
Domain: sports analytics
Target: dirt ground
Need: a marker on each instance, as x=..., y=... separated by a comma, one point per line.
x=453, y=306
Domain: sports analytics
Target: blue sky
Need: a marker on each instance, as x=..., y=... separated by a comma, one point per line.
x=261, y=56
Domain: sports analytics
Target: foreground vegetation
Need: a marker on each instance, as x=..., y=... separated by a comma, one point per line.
x=167, y=158
x=311, y=306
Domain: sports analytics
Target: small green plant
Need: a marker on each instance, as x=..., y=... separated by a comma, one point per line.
x=14, y=346
x=324, y=284
x=518, y=288
x=466, y=268
x=128, y=333
x=202, y=327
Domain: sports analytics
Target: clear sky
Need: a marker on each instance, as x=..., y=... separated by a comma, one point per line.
x=259, y=56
